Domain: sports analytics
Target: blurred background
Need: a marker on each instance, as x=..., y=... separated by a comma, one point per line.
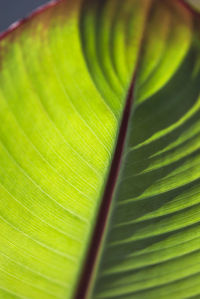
x=13, y=10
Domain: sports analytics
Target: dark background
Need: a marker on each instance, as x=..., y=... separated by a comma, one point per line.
x=14, y=10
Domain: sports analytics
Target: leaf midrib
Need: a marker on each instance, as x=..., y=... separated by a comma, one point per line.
x=104, y=210
x=106, y=200
x=93, y=253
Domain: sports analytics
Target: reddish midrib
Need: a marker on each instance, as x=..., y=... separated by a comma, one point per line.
x=98, y=233
x=91, y=259
x=106, y=201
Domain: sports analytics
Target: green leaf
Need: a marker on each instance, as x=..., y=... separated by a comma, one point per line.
x=67, y=77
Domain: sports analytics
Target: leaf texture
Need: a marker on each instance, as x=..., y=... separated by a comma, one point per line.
x=64, y=79
x=151, y=247
x=57, y=133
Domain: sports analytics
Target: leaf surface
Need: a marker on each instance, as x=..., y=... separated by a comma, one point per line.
x=64, y=80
